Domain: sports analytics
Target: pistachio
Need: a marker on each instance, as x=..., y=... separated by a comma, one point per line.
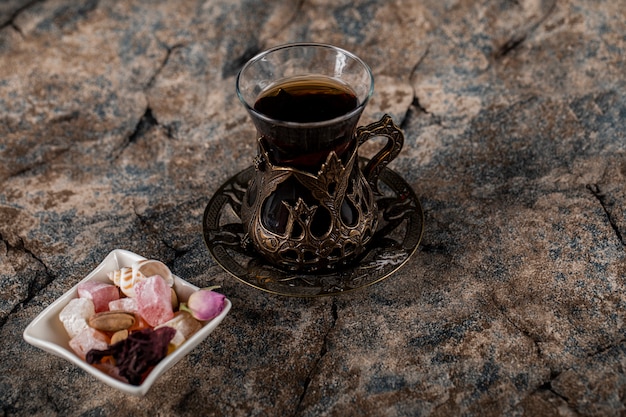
x=112, y=321
x=119, y=336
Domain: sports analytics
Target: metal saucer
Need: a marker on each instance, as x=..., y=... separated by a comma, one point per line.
x=399, y=232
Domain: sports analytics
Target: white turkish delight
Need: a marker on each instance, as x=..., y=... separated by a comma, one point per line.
x=75, y=314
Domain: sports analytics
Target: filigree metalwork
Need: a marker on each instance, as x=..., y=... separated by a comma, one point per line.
x=395, y=140
x=322, y=231
x=301, y=221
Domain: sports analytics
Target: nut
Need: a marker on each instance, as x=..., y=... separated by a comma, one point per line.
x=112, y=321
x=174, y=298
x=119, y=336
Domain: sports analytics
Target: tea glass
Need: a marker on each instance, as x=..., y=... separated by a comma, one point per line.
x=310, y=207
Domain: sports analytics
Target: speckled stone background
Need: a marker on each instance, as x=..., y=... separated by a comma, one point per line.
x=119, y=120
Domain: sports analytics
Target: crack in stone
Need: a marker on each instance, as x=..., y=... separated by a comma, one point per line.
x=148, y=121
x=256, y=46
x=142, y=220
x=416, y=104
x=42, y=162
x=21, y=247
x=169, y=50
x=148, y=224
x=407, y=115
x=418, y=63
x=316, y=365
x=546, y=385
x=178, y=253
x=601, y=197
x=524, y=332
x=510, y=45
x=11, y=21
x=34, y=285
x=16, y=28
x=296, y=10
x=22, y=171
x=417, y=107
x=145, y=124
x=231, y=69
x=518, y=38
x=604, y=349
x=6, y=244
x=35, y=257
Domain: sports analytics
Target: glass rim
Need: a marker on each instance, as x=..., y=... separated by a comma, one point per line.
x=322, y=123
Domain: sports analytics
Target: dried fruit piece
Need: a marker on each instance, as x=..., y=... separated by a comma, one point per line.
x=136, y=354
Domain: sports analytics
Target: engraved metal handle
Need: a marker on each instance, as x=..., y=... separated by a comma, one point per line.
x=395, y=139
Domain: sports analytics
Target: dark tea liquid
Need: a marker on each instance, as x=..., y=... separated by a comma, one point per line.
x=306, y=100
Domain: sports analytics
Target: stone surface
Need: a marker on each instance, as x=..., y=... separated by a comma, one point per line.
x=119, y=120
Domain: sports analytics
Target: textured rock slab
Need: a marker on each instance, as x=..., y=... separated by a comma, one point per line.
x=118, y=121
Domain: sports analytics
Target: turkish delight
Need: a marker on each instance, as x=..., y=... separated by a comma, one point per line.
x=75, y=315
x=87, y=340
x=154, y=300
x=100, y=293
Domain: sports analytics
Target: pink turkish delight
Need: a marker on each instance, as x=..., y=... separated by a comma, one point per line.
x=87, y=340
x=154, y=300
x=100, y=293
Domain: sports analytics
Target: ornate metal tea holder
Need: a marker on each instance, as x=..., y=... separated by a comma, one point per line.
x=398, y=234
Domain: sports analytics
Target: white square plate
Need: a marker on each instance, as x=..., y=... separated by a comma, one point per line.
x=47, y=332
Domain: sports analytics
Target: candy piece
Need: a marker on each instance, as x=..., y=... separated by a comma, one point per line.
x=154, y=300
x=87, y=340
x=124, y=304
x=100, y=293
x=185, y=326
x=75, y=314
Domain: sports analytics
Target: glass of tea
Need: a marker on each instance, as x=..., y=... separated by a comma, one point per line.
x=310, y=207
